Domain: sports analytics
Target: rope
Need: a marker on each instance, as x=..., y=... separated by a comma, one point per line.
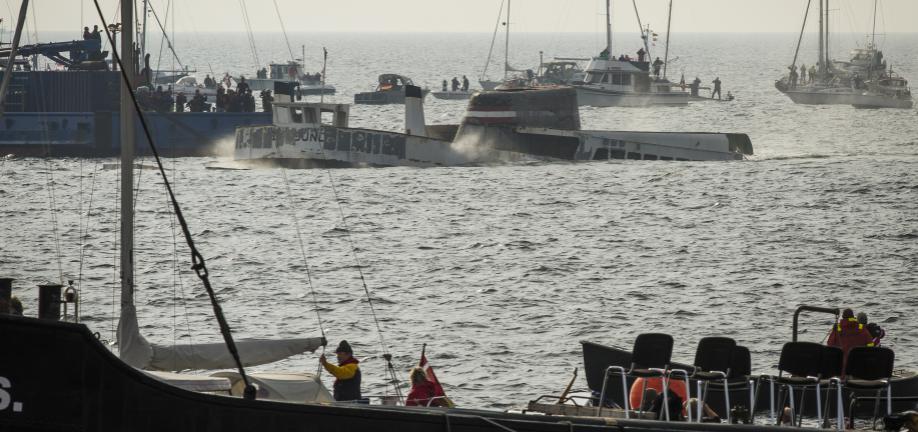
x=166, y=36
x=299, y=237
x=52, y=204
x=284, y=29
x=84, y=230
x=198, y=262
x=347, y=231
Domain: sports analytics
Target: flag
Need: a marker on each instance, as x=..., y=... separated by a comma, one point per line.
x=432, y=377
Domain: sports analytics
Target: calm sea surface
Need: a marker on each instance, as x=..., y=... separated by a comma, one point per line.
x=502, y=270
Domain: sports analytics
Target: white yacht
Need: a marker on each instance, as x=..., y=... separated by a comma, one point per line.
x=309, y=84
x=624, y=82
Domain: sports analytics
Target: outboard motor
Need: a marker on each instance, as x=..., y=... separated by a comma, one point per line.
x=414, y=111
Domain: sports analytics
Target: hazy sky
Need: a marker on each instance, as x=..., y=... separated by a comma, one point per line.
x=480, y=15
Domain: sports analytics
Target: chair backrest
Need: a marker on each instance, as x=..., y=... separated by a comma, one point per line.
x=870, y=363
x=741, y=363
x=801, y=358
x=831, y=362
x=652, y=350
x=715, y=353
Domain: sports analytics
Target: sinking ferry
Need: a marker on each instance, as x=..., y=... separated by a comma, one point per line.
x=541, y=124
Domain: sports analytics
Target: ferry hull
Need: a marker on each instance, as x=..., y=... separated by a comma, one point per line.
x=87, y=134
x=600, y=98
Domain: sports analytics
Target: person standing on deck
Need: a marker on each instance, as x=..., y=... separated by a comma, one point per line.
x=803, y=74
x=716, y=90
x=455, y=84
x=86, y=34
x=696, y=84
x=641, y=53
x=657, y=65
x=813, y=73
x=445, y=85
x=346, y=373
x=465, y=84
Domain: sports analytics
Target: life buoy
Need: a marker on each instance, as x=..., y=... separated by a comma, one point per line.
x=677, y=385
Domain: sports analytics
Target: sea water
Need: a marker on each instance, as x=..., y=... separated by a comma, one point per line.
x=501, y=270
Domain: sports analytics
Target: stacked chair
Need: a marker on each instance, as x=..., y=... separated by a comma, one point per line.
x=650, y=358
x=798, y=368
x=866, y=368
x=713, y=361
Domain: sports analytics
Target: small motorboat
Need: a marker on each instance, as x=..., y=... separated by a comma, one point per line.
x=453, y=95
x=390, y=90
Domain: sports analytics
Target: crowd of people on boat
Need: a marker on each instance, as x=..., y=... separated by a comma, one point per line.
x=456, y=85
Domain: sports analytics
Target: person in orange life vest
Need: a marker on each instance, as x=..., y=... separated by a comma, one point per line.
x=422, y=391
x=346, y=373
x=848, y=333
x=876, y=332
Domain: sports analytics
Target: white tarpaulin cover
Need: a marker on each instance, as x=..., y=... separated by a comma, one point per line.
x=137, y=352
x=288, y=387
x=195, y=383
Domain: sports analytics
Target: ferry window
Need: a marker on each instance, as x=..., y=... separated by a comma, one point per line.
x=593, y=77
x=616, y=79
x=626, y=79
x=309, y=116
x=605, y=78
x=297, y=115
x=328, y=117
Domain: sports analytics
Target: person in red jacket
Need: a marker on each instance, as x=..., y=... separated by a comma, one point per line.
x=423, y=392
x=849, y=333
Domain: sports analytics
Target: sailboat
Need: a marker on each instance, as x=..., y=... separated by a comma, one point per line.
x=483, y=80
x=624, y=82
x=863, y=81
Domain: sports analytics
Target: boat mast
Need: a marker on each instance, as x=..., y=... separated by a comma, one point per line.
x=802, y=29
x=873, y=40
x=14, y=46
x=669, y=21
x=143, y=31
x=644, y=34
x=507, y=43
x=827, y=37
x=127, y=159
x=609, y=28
x=822, y=47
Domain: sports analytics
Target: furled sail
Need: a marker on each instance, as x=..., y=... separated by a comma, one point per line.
x=136, y=351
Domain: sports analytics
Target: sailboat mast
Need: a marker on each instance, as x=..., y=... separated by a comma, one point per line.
x=644, y=34
x=127, y=158
x=669, y=21
x=143, y=31
x=14, y=46
x=873, y=33
x=609, y=27
x=826, y=60
x=507, y=43
x=822, y=47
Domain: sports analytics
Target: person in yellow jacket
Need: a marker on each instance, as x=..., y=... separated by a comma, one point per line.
x=346, y=373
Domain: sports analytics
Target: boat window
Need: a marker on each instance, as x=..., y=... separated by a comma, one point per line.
x=309, y=116
x=593, y=77
x=328, y=117
x=605, y=78
x=297, y=114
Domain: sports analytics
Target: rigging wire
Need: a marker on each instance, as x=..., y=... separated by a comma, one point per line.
x=198, y=262
x=284, y=29
x=484, y=72
x=248, y=28
x=84, y=230
x=299, y=237
x=168, y=41
x=396, y=380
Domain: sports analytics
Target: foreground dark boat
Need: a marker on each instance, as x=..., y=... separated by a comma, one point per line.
x=60, y=378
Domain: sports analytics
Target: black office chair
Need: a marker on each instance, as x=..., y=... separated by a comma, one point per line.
x=650, y=358
x=868, y=368
x=802, y=362
x=713, y=359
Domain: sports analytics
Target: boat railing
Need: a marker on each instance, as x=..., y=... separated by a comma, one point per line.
x=806, y=308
